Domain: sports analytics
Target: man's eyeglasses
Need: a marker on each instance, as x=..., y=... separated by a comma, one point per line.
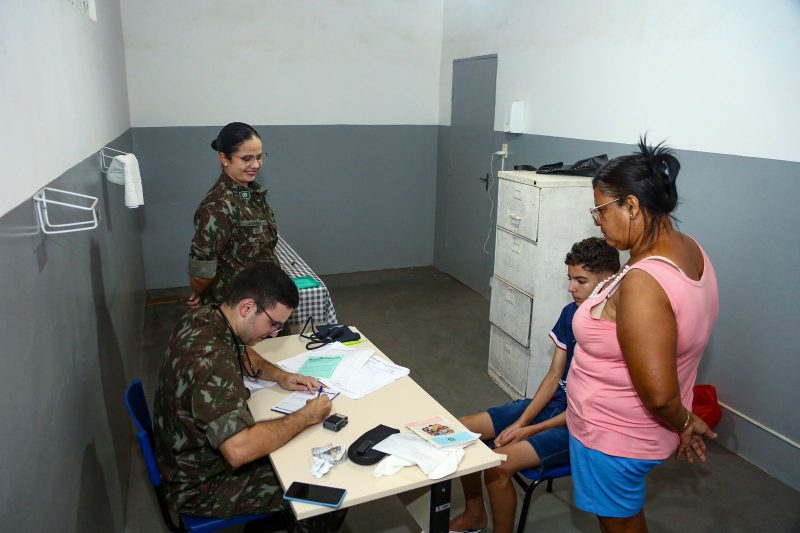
x=276, y=326
x=250, y=158
x=596, y=210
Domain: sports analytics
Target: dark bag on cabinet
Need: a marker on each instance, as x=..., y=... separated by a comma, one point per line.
x=584, y=167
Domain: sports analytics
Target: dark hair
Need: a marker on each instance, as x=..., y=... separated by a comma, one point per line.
x=649, y=175
x=594, y=254
x=231, y=136
x=266, y=283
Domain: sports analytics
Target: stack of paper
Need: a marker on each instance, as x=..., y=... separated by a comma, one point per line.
x=376, y=373
x=355, y=372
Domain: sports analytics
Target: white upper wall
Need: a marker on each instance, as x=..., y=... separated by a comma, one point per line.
x=207, y=62
x=63, y=89
x=713, y=76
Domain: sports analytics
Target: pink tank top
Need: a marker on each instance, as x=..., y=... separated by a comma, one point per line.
x=604, y=411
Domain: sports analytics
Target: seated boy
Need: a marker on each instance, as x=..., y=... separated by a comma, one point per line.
x=533, y=432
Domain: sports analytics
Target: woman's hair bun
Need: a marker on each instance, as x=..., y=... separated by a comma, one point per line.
x=232, y=136
x=661, y=160
x=663, y=168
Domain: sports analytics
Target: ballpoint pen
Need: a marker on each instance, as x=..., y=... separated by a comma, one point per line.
x=320, y=391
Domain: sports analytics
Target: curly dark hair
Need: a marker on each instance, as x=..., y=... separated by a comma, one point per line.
x=594, y=254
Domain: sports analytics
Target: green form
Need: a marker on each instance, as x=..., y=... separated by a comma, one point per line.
x=320, y=366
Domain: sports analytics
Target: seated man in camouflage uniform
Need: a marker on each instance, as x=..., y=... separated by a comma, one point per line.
x=211, y=453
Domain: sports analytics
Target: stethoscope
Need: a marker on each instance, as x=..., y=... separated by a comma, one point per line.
x=236, y=343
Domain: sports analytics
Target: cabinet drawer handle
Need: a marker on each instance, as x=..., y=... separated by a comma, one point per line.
x=516, y=247
x=518, y=194
x=515, y=217
x=509, y=295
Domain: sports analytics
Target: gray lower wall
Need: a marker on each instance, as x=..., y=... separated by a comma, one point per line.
x=347, y=198
x=743, y=211
x=73, y=311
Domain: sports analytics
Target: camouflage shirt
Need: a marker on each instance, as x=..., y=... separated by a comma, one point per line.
x=234, y=228
x=201, y=401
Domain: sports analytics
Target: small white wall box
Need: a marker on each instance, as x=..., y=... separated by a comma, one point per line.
x=515, y=117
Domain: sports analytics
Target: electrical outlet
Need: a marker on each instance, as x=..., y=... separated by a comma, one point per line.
x=504, y=149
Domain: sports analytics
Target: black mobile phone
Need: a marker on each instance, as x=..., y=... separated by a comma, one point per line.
x=315, y=494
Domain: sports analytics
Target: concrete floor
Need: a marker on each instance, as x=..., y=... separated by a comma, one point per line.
x=425, y=320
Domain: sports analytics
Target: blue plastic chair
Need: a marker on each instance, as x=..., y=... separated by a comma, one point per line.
x=529, y=480
x=137, y=407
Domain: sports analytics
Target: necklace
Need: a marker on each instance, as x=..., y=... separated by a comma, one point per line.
x=608, y=283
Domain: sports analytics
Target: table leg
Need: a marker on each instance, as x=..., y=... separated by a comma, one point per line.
x=440, y=507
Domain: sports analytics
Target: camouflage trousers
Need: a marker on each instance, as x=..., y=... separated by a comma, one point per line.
x=254, y=489
x=251, y=489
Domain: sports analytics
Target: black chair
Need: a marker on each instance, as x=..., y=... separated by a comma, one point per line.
x=137, y=407
x=530, y=479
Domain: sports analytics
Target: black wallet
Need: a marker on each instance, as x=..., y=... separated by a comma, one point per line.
x=361, y=451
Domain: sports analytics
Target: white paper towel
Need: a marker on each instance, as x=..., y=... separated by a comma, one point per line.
x=124, y=170
x=435, y=462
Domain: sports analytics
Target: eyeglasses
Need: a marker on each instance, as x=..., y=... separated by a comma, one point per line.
x=250, y=158
x=276, y=326
x=596, y=210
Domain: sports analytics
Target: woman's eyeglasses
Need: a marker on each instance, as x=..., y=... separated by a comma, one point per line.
x=596, y=210
x=250, y=158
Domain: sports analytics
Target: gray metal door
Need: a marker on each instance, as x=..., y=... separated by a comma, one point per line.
x=471, y=146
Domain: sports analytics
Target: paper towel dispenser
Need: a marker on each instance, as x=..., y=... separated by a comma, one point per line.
x=515, y=117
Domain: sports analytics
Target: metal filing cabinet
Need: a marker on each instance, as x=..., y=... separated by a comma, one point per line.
x=538, y=218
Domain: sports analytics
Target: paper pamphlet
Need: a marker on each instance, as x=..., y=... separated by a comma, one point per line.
x=297, y=400
x=442, y=433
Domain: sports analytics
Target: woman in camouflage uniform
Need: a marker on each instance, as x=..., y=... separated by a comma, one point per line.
x=234, y=225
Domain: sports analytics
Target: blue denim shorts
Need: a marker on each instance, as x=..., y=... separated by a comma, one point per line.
x=606, y=485
x=552, y=445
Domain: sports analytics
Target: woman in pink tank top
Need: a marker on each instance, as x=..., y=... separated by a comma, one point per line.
x=640, y=338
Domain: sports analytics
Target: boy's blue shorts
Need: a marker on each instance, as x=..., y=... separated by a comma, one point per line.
x=552, y=445
x=606, y=485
